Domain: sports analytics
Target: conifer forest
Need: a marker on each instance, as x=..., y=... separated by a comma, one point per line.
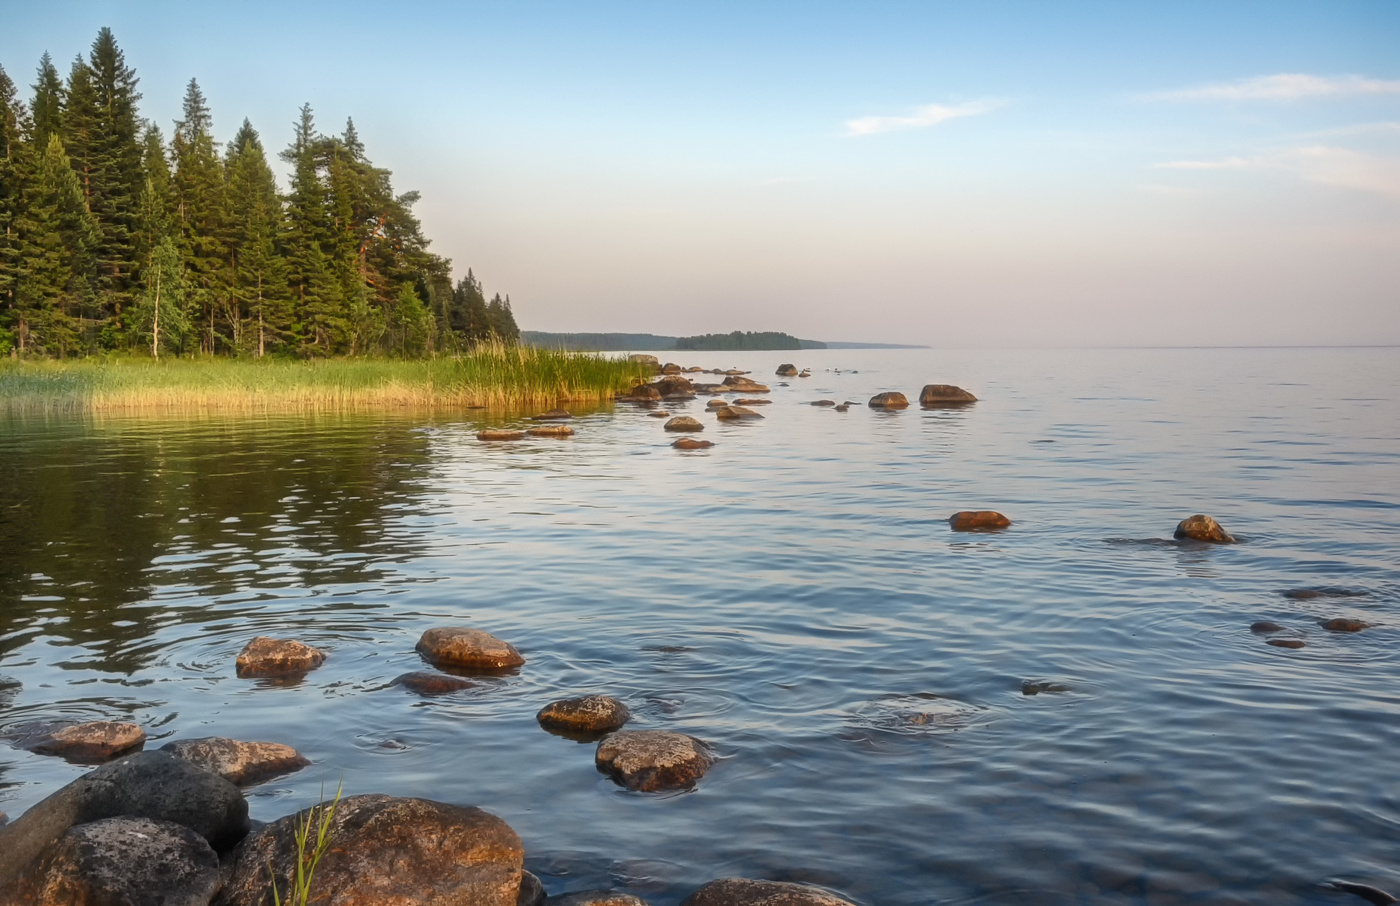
x=115, y=238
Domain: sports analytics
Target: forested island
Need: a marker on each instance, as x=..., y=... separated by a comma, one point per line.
x=113, y=238
x=613, y=342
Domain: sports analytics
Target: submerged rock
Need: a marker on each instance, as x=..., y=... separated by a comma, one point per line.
x=653, y=760
x=692, y=443
x=823, y=402
x=387, y=850
x=1308, y=594
x=1036, y=687
x=944, y=395
x=842, y=407
x=1202, y=528
x=590, y=714
x=752, y=402
x=734, y=412
x=1343, y=624
x=551, y=431
x=643, y=359
x=1264, y=627
x=659, y=413
x=92, y=742
x=425, y=683
x=1286, y=643
x=500, y=434
x=716, y=404
x=683, y=423
x=462, y=646
x=788, y=370
x=596, y=898
x=892, y=399
x=236, y=761
x=551, y=415
x=745, y=892
x=266, y=656
x=806, y=372
x=978, y=521
x=670, y=368
x=532, y=892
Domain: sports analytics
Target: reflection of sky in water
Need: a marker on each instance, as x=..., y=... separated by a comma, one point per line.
x=792, y=595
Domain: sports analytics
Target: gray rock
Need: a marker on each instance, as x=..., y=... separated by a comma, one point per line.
x=590, y=714
x=596, y=898
x=265, y=656
x=532, y=891
x=239, y=762
x=386, y=850
x=1202, y=528
x=744, y=892
x=653, y=760
x=462, y=646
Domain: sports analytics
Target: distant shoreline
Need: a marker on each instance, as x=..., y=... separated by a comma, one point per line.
x=651, y=342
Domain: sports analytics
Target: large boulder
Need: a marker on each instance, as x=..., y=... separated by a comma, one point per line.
x=386, y=851
x=745, y=892
x=590, y=714
x=786, y=370
x=683, y=423
x=892, y=399
x=653, y=760
x=1202, y=528
x=92, y=742
x=236, y=761
x=944, y=395
x=978, y=521
x=673, y=386
x=265, y=656
x=461, y=646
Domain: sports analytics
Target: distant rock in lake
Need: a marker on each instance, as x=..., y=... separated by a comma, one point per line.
x=551, y=431
x=936, y=395
x=1343, y=624
x=500, y=434
x=692, y=443
x=551, y=415
x=266, y=656
x=425, y=683
x=787, y=370
x=729, y=413
x=683, y=423
x=978, y=521
x=1202, y=528
x=891, y=399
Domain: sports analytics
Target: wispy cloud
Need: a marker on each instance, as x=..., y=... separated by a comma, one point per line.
x=1341, y=168
x=920, y=118
x=1229, y=163
x=1288, y=86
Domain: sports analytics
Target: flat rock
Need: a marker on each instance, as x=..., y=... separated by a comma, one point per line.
x=739, y=384
x=944, y=395
x=1309, y=594
x=425, y=683
x=716, y=404
x=461, y=646
x=266, y=656
x=753, y=402
x=126, y=861
x=590, y=714
x=596, y=898
x=1264, y=627
x=978, y=521
x=387, y=851
x=683, y=423
x=659, y=413
x=551, y=431
x=806, y=372
x=551, y=415
x=733, y=412
x=92, y=742
x=744, y=892
x=787, y=370
x=1286, y=643
x=653, y=760
x=1343, y=624
x=1202, y=528
x=892, y=399
x=500, y=434
x=237, y=761
x=692, y=443
x=823, y=402
x=842, y=407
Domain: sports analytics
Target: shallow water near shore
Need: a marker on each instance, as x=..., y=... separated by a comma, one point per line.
x=795, y=597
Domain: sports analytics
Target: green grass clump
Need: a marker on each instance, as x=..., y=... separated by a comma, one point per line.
x=309, y=850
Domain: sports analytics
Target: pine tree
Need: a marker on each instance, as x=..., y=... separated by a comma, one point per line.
x=255, y=225
x=469, y=320
x=198, y=197
x=47, y=108
x=320, y=302
x=12, y=155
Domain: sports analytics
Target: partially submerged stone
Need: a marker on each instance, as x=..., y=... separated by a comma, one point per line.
x=1344, y=624
x=1202, y=528
x=387, y=850
x=551, y=431
x=1264, y=627
x=671, y=368
x=237, y=761
x=589, y=714
x=653, y=760
x=551, y=415
x=716, y=404
x=891, y=399
x=730, y=413
x=644, y=392
x=824, y=402
x=425, y=683
x=461, y=646
x=673, y=386
x=1038, y=687
x=642, y=358
x=692, y=443
x=786, y=370
x=683, y=423
x=494, y=434
x=752, y=402
x=659, y=413
x=944, y=395
x=266, y=656
x=738, y=384
x=92, y=742
x=978, y=521
x=746, y=892
x=532, y=892
x=1286, y=643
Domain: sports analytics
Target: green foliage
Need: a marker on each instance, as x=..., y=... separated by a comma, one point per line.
x=739, y=340
x=161, y=319
x=310, y=849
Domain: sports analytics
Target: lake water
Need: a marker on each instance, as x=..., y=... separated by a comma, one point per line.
x=795, y=597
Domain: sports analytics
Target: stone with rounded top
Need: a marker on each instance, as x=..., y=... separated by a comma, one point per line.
x=729, y=413
x=500, y=434
x=1286, y=643
x=425, y=683
x=891, y=399
x=237, y=761
x=552, y=415
x=266, y=656
x=738, y=384
x=92, y=742
x=551, y=431
x=944, y=395
x=684, y=423
x=716, y=404
x=786, y=370
x=462, y=646
x=659, y=413
x=1344, y=624
x=589, y=714
x=978, y=521
x=1264, y=627
x=746, y=892
x=1202, y=528
x=653, y=760
x=642, y=358
x=692, y=443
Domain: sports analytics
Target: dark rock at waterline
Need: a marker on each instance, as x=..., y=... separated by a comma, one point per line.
x=692, y=443
x=237, y=761
x=1365, y=891
x=425, y=683
x=806, y=372
x=1264, y=627
x=934, y=395
x=729, y=413
x=387, y=850
x=596, y=898
x=709, y=388
x=589, y=714
x=683, y=423
x=462, y=646
x=551, y=431
x=892, y=399
x=136, y=861
x=786, y=371
x=752, y=402
x=978, y=521
x=671, y=368
x=1036, y=687
x=1286, y=643
x=4, y=819
x=1202, y=528
x=1308, y=594
x=644, y=392
x=1343, y=624
x=746, y=892
x=842, y=407
x=823, y=402
x=551, y=415
x=673, y=386
x=265, y=656
x=532, y=892
x=739, y=384
x=653, y=760
x=500, y=434
x=92, y=742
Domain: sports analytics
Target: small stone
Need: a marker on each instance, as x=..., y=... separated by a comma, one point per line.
x=752, y=402
x=842, y=407
x=670, y=368
x=692, y=443
x=683, y=423
x=596, y=898
x=890, y=400
x=590, y=714
x=1342, y=624
x=551, y=415
x=659, y=413
x=824, y=403
x=461, y=646
x=500, y=434
x=733, y=412
x=744, y=892
x=87, y=743
x=1286, y=643
x=716, y=404
x=978, y=521
x=425, y=683
x=1036, y=687
x=944, y=395
x=266, y=656
x=532, y=891
x=652, y=760
x=1264, y=627
x=236, y=761
x=551, y=431
x=786, y=371
x=1202, y=528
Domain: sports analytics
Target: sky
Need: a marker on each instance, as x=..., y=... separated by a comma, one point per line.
x=970, y=175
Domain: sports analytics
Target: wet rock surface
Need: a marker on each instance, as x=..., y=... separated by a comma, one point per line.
x=1264, y=627
x=659, y=413
x=978, y=521
x=944, y=395
x=642, y=358
x=92, y=742
x=1286, y=643
x=589, y=714
x=1326, y=591
x=752, y=402
x=716, y=404
x=425, y=683
x=674, y=386
x=739, y=384
x=1039, y=687
x=1343, y=624
x=552, y=415
x=462, y=646
x=388, y=850
x=551, y=431
x=596, y=898
x=823, y=402
x=122, y=862
x=683, y=423
x=532, y=892
x=730, y=413
x=744, y=892
x=266, y=656
x=786, y=370
x=653, y=760
x=644, y=392
x=236, y=761
x=892, y=399
x=1202, y=528
x=692, y=443
x=500, y=434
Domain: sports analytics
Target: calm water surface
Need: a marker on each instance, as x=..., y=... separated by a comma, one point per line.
x=794, y=596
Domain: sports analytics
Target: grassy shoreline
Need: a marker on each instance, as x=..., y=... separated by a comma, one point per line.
x=496, y=377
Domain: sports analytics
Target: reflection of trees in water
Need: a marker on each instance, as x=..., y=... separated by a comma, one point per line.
x=101, y=515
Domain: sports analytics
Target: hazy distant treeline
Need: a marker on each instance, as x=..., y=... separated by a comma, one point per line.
x=112, y=237
x=746, y=340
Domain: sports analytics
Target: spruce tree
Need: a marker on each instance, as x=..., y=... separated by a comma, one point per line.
x=198, y=196
x=153, y=221
x=320, y=302
x=159, y=317
x=12, y=160
x=47, y=108
x=255, y=226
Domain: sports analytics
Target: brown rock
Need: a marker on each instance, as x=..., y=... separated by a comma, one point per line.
x=892, y=399
x=659, y=413
x=590, y=714
x=87, y=743
x=1308, y=594
x=1264, y=627
x=694, y=369
x=716, y=404
x=1342, y=624
x=551, y=415
x=500, y=434
x=806, y=372
x=388, y=852
x=1036, y=687
x=1202, y=528
x=744, y=892
x=236, y=761
x=644, y=359
x=596, y=898
x=753, y=402
x=710, y=389
x=842, y=407
x=653, y=760
x=461, y=646
x=732, y=372
x=551, y=431
x=692, y=443
x=1286, y=643
x=266, y=656
x=670, y=368
x=786, y=371
x=644, y=392
x=4, y=819
x=674, y=387
x=425, y=683
x=944, y=395
x=978, y=521
x=824, y=403
x=683, y=423
x=733, y=412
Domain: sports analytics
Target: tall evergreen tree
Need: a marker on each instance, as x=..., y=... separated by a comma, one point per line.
x=160, y=317
x=12, y=154
x=153, y=220
x=255, y=227
x=198, y=197
x=320, y=302
x=47, y=108
x=502, y=320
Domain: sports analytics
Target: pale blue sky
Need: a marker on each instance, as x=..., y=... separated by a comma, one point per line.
x=970, y=174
